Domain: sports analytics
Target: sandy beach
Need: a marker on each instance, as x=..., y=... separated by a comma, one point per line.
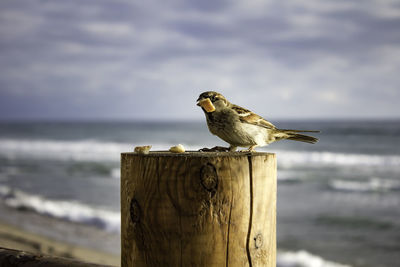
x=43, y=235
x=15, y=238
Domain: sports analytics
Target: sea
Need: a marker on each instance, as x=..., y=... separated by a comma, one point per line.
x=338, y=200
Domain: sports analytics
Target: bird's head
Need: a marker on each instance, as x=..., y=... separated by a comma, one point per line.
x=211, y=101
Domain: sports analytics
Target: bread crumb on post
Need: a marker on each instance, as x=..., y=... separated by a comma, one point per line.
x=142, y=149
x=177, y=149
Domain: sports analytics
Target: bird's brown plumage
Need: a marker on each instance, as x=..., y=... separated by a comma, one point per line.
x=241, y=127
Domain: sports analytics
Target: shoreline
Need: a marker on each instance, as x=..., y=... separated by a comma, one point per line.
x=31, y=232
x=19, y=239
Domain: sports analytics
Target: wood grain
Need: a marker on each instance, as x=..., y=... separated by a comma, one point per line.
x=198, y=209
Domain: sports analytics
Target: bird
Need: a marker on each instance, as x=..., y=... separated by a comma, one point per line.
x=240, y=127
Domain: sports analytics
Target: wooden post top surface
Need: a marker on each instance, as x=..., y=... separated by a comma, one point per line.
x=199, y=154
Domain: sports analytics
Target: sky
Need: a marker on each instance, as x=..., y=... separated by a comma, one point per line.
x=149, y=60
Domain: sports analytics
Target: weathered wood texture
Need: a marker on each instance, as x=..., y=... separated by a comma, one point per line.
x=16, y=258
x=198, y=209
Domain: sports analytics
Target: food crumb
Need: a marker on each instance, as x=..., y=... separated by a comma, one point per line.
x=142, y=149
x=177, y=149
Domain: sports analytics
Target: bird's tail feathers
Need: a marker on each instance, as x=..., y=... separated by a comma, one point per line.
x=298, y=131
x=297, y=136
x=302, y=138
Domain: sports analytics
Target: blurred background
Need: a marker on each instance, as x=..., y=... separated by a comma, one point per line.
x=82, y=81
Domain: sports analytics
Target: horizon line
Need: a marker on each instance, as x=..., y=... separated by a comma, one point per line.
x=183, y=120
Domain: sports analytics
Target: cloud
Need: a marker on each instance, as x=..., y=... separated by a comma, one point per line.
x=109, y=30
x=117, y=59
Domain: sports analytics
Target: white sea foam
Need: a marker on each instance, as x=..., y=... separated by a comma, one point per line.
x=66, y=210
x=303, y=259
x=82, y=150
x=93, y=150
x=290, y=176
x=62, y=150
x=115, y=173
x=292, y=158
x=372, y=185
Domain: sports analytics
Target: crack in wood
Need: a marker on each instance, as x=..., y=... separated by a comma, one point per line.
x=251, y=211
x=229, y=218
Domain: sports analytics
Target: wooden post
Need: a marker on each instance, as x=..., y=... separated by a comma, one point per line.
x=198, y=209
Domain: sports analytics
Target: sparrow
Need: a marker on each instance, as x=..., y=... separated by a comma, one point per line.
x=240, y=127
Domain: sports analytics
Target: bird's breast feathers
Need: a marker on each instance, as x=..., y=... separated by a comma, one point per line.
x=228, y=126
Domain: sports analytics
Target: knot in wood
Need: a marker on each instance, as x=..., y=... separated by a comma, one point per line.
x=258, y=241
x=209, y=177
x=135, y=211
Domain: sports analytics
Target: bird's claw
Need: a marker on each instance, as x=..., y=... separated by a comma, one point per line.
x=249, y=150
x=214, y=149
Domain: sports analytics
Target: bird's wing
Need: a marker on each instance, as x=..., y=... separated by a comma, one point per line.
x=249, y=117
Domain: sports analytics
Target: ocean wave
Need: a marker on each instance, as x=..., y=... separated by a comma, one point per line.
x=115, y=173
x=94, y=150
x=66, y=210
x=371, y=185
x=79, y=150
x=62, y=150
x=303, y=259
x=289, y=159
x=290, y=176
